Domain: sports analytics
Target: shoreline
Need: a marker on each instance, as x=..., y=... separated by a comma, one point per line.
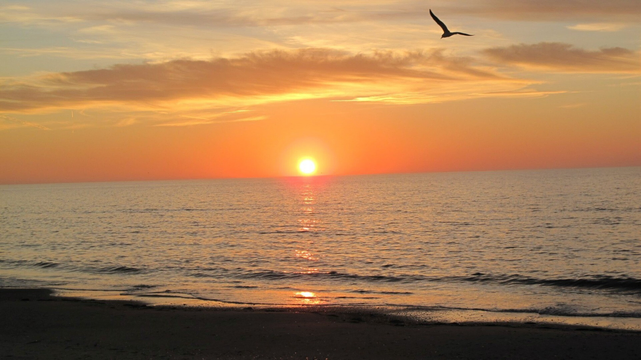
x=425, y=315
x=38, y=325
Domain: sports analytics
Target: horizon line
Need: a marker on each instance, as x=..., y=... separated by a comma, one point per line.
x=313, y=176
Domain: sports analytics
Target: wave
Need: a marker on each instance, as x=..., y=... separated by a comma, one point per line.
x=46, y=264
x=282, y=232
x=140, y=287
x=594, y=282
x=119, y=269
x=598, y=282
x=383, y=292
x=284, y=275
x=115, y=269
x=162, y=210
x=623, y=284
x=560, y=310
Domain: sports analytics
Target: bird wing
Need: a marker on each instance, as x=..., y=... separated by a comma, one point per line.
x=439, y=22
x=460, y=33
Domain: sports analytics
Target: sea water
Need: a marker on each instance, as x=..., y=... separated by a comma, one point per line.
x=560, y=246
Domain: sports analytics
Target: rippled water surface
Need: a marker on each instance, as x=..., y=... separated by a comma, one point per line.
x=554, y=246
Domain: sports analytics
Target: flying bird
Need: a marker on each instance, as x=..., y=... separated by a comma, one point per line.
x=446, y=31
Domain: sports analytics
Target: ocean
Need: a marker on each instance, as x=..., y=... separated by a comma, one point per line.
x=545, y=246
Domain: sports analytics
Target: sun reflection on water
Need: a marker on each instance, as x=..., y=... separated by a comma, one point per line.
x=306, y=225
x=304, y=254
x=307, y=271
x=307, y=298
x=306, y=192
x=307, y=200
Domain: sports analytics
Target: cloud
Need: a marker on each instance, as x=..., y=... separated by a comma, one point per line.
x=29, y=15
x=69, y=52
x=258, y=13
x=551, y=10
x=222, y=14
x=190, y=92
x=205, y=121
x=136, y=30
x=256, y=78
x=567, y=58
x=608, y=27
x=205, y=117
x=7, y=122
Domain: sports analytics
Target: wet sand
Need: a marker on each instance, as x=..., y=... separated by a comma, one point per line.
x=36, y=325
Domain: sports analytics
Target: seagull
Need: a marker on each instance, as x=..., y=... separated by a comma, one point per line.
x=446, y=31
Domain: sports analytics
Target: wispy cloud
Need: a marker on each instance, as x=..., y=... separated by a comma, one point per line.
x=608, y=27
x=256, y=78
x=550, y=10
x=68, y=52
x=163, y=30
x=567, y=58
x=8, y=122
x=219, y=14
x=207, y=117
x=189, y=92
x=255, y=13
x=193, y=122
x=42, y=15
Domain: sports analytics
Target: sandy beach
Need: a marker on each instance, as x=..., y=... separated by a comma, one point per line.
x=36, y=325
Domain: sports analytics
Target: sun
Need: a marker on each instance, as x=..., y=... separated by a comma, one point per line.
x=307, y=167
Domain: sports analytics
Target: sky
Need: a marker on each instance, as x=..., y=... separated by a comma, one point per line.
x=154, y=90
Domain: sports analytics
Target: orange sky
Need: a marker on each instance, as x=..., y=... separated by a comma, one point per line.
x=105, y=100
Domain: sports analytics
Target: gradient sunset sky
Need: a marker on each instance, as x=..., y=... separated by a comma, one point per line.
x=143, y=90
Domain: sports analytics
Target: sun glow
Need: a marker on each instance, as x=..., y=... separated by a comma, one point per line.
x=307, y=167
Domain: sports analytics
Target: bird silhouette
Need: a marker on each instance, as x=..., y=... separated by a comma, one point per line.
x=446, y=31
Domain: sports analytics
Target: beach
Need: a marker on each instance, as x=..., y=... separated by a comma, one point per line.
x=37, y=325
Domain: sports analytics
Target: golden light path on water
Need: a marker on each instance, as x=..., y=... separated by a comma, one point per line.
x=307, y=223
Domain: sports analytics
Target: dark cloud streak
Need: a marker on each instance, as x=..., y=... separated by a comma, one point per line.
x=256, y=74
x=566, y=58
x=550, y=10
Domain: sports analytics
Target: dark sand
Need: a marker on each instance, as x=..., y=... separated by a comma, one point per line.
x=37, y=326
